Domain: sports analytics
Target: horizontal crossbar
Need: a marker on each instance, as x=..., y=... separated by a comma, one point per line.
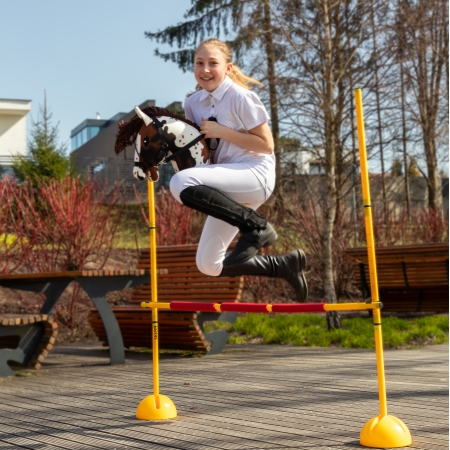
x=262, y=307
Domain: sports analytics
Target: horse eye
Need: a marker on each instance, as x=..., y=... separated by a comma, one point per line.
x=145, y=141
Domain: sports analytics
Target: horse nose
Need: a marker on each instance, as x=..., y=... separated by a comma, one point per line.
x=138, y=173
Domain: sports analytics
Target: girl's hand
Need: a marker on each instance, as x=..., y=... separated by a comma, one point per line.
x=258, y=139
x=211, y=129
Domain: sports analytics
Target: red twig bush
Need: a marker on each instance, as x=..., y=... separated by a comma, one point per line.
x=425, y=226
x=175, y=223
x=11, y=256
x=68, y=224
x=57, y=226
x=430, y=225
x=307, y=222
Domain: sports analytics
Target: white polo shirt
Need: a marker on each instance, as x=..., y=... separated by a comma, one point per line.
x=241, y=110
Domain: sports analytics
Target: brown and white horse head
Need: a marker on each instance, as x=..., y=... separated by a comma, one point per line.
x=162, y=135
x=145, y=169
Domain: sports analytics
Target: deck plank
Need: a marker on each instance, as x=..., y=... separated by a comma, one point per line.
x=249, y=397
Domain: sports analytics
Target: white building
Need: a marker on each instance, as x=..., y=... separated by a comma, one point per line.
x=308, y=161
x=13, y=130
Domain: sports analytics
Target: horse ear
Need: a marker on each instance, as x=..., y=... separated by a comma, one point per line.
x=143, y=116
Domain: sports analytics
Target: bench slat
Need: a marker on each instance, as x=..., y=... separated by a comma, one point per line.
x=182, y=281
x=410, y=278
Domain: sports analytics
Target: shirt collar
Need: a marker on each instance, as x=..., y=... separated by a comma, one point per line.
x=219, y=92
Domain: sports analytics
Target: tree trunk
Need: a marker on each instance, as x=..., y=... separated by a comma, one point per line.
x=404, y=141
x=377, y=97
x=330, y=153
x=434, y=186
x=270, y=53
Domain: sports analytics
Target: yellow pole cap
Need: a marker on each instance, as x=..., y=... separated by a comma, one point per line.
x=385, y=432
x=155, y=407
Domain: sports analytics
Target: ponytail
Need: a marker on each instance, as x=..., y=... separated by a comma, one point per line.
x=241, y=79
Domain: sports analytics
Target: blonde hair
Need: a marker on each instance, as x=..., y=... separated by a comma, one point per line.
x=236, y=74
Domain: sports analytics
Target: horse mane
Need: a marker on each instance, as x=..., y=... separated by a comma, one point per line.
x=128, y=131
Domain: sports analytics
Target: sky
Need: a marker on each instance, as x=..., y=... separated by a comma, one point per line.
x=88, y=56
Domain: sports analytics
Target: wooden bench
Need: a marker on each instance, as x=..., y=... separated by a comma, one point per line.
x=177, y=329
x=26, y=339
x=21, y=340
x=411, y=278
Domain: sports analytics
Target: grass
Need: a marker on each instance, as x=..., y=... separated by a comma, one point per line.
x=356, y=332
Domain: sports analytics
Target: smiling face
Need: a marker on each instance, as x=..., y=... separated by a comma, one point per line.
x=210, y=67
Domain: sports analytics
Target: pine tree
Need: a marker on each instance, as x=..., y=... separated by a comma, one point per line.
x=397, y=168
x=252, y=28
x=46, y=158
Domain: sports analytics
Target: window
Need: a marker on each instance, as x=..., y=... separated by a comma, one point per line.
x=86, y=134
x=92, y=132
x=84, y=137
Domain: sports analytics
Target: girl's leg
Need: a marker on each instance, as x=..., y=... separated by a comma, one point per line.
x=217, y=234
x=289, y=267
x=220, y=192
x=236, y=181
x=215, y=239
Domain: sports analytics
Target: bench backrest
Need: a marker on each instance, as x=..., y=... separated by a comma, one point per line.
x=183, y=280
x=403, y=267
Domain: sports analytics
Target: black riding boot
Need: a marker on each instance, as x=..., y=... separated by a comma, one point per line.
x=256, y=232
x=289, y=267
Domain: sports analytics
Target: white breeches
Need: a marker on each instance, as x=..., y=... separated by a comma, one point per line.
x=237, y=182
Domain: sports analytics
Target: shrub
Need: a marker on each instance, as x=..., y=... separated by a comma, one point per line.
x=175, y=223
x=307, y=221
x=58, y=226
x=11, y=256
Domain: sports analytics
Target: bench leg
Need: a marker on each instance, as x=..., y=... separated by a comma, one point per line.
x=30, y=337
x=113, y=333
x=217, y=338
x=6, y=355
x=218, y=341
x=52, y=291
x=97, y=292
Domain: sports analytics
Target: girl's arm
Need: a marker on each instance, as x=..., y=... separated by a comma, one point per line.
x=258, y=139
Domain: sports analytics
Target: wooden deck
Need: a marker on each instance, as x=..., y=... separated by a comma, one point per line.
x=249, y=397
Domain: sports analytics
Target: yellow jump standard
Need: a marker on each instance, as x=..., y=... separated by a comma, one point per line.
x=382, y=431
x=156, y=406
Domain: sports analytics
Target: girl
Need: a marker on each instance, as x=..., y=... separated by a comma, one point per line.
x=242, y=175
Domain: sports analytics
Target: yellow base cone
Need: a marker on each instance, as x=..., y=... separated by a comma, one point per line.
x=385, y=432
x=149, y=409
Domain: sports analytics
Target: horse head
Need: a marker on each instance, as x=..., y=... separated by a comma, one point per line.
x=160, y=136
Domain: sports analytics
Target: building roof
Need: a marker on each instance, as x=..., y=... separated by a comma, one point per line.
x=102, y=145
x=14, y=106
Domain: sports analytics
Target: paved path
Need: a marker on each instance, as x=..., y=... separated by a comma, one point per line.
x=247, y=398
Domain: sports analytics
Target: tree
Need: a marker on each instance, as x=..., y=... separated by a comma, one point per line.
x=46, y=159
x=413, y=171
x=252, y=28
x=423, y=36
x=397, y=168
x=325, y=37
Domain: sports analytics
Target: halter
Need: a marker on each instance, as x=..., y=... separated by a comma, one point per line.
x=163, y=157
